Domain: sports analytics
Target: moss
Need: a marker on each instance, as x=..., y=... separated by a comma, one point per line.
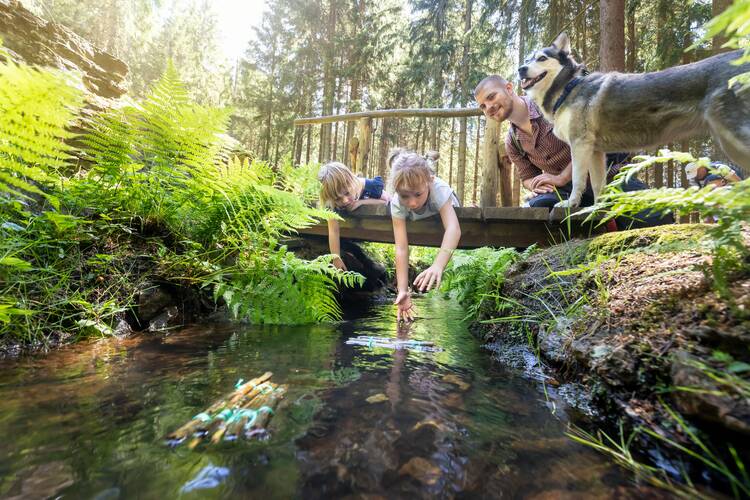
x=671, y=238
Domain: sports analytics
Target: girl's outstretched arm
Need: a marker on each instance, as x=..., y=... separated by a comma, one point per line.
x=334, y=243
x=403, y=300
x=434, y=274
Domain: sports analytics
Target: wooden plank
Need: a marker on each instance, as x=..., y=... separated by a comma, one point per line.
x=496, y=227
x=517, y=214
x=390, y=113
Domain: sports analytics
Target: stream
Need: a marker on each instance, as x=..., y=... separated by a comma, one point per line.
x=89, y=420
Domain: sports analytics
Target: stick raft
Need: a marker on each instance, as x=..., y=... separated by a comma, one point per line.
x=391, y=343
x=242, y=414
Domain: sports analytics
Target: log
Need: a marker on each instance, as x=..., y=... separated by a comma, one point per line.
x=390, y=113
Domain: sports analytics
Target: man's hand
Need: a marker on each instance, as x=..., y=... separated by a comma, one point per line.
x=543, y=188
x=429, y=277
x=405, y=309
x=553, y=180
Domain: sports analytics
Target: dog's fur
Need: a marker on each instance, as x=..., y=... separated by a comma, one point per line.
x=609, y=112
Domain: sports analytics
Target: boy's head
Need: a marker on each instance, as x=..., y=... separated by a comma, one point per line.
x=411, y=176
x=339, y=187
x=495, y=97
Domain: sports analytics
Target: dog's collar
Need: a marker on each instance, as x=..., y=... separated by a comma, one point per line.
x=566, y=91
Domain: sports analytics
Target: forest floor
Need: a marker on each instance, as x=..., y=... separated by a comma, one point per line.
x=633, y=319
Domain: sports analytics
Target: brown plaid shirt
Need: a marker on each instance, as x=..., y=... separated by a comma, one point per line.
x=544, y=151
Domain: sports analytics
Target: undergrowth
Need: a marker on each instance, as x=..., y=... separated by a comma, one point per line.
x=151, y=187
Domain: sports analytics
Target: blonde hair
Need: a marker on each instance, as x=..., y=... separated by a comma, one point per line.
x=335, y=180
x=410, y=170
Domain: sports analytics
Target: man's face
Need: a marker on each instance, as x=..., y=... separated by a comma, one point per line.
x=496, y=101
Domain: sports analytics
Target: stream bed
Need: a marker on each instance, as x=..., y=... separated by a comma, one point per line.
x=89, y=420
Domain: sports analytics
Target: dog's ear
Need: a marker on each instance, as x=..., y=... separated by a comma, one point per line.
x=562, y=43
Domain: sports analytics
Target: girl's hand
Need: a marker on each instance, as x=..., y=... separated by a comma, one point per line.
x=339, y=264
x=429, y=277
x=405, y=309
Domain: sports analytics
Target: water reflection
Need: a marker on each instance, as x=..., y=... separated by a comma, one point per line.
x=89, y=421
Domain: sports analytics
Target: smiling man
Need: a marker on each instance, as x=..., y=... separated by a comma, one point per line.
x=542, y=160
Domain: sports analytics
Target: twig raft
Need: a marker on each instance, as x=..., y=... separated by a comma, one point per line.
x=250, y=405
x=392, y=343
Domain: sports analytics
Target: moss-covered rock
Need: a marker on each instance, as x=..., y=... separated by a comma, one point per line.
x=621, y=313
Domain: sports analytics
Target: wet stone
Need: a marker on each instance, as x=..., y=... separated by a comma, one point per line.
x=377, y=398
x=169, y=318
x=422, y=470
x=457, y=381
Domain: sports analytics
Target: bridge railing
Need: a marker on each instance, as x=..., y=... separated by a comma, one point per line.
x=472, y=150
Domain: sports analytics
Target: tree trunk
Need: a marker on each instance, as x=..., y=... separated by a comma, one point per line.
x=309, y=145
x=329, y=82
x=450, y=159
x=632, y=42
x=365, y=140
x=383, y=147
x=476, y=161
x=612, y=39
x=523, y=33
x=717, y=7
x=461, y=174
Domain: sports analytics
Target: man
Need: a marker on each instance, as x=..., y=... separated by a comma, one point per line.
x=542, y=160
x=720, y=174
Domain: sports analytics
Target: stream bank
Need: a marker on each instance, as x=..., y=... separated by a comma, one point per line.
x=632, y=319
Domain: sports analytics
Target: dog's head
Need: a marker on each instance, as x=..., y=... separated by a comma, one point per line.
x=540, y=70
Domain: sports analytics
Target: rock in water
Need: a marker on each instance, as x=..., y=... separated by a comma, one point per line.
x=377, y=398
x=422, y=470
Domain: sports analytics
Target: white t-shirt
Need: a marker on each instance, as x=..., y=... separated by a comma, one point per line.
x=440, y=194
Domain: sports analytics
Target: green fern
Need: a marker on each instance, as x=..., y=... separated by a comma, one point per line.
x=477, y=276
x=36, y=109
x=729, y=205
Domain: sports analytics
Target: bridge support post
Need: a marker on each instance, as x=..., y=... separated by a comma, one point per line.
x=490, y=170
x=506, y=175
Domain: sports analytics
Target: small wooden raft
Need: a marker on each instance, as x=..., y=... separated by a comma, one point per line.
x=243, y=413
x=391, y=343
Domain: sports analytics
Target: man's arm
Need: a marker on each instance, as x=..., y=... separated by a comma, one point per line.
x=558, y=180
x=526, y=170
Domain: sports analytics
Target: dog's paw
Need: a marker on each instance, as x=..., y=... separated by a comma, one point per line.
x=567, y=204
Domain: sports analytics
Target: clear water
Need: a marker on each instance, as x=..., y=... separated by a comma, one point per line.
x=89, y=421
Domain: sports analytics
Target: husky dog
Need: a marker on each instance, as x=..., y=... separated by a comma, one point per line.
x=600, y=113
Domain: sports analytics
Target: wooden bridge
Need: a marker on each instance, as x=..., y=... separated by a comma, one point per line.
x=477, y=168
x=490, y=226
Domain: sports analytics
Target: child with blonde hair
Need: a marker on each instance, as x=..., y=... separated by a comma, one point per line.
x=418, y=194
x=341, y=190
